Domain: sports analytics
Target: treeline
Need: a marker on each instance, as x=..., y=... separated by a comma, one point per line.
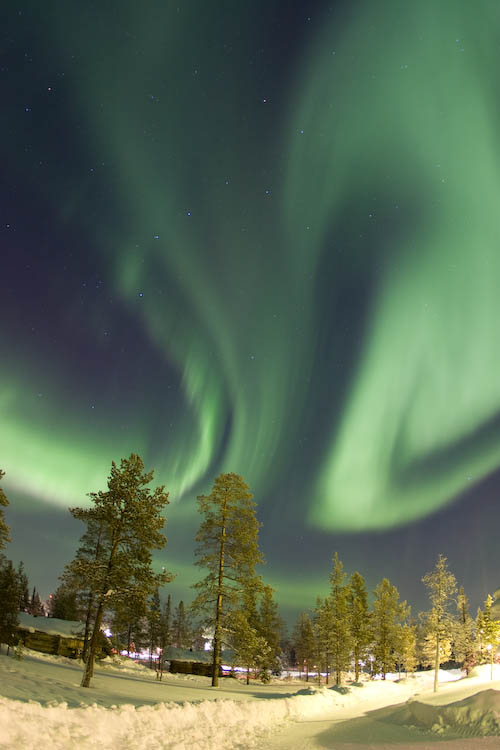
x=111, y=579
x=344, y=633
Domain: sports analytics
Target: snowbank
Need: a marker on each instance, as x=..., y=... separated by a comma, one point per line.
x=476, y=716
x=205, y=725
x=126, y=708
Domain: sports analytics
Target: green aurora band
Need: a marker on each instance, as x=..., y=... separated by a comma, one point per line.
x=382, y=167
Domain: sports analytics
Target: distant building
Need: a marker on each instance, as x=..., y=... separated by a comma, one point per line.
x=187, y=661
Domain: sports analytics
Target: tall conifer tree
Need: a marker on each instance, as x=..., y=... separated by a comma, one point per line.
x=359, y=619
x=388, y=616
x=269, y=627
x=441, y=585
x=340, y=636
x=463, y=634
x=182, y=629
x=228, y=549
x=322, y=626
x=9, y=602
x=491, y=631
x=129, y=515
x=304, y=643
x=165, y=633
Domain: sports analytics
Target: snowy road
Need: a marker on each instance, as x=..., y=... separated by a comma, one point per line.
x=370, y=725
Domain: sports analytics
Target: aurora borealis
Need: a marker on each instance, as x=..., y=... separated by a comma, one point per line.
x=240, y=237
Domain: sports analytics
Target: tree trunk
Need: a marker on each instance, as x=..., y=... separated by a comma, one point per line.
x=436, y=664
x=88, y=616
x=89, y=664
x=218, y=609
x=356, y=667
x=129, y=637
x=338, y=677
x=248, y=675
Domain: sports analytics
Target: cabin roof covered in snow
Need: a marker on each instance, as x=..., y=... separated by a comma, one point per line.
x=51, y=625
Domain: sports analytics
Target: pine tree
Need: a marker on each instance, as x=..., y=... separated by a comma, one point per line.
x=80, y=574
x=359, y=620
x=304, y=643
x=129, y=515
x=269, y=627
x=463, y=634
x=340, y=637
x=388, y=615
x=228, y=549
x=441, y=585
x=9, y=602
x=4, y=529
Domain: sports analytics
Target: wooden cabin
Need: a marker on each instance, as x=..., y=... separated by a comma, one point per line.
x=187, y=661
x=50, y=635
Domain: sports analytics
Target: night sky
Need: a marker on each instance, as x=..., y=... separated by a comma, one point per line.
x=249, y=237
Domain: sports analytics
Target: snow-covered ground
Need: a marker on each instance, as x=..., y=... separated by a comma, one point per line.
x=41, y=702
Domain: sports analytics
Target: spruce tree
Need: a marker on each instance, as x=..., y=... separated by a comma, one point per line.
x=9, y=602
x=4, y=529
x=490, y=631
x=481, y=650
x=359, y=620
x=164, y=633
x=129, y=625
x=304, y=643
x=227, y=548
x=322, y=625
x=340, y=636
x=388, y=616
x=24, y=595
x=129, y=515
x=269, y=627
x=250, y=648
x=63, y=603
x=441, y=585
x=463, y=634
x=153, y=617
x=36, y=607
x=182, y=630
x=405, y=650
